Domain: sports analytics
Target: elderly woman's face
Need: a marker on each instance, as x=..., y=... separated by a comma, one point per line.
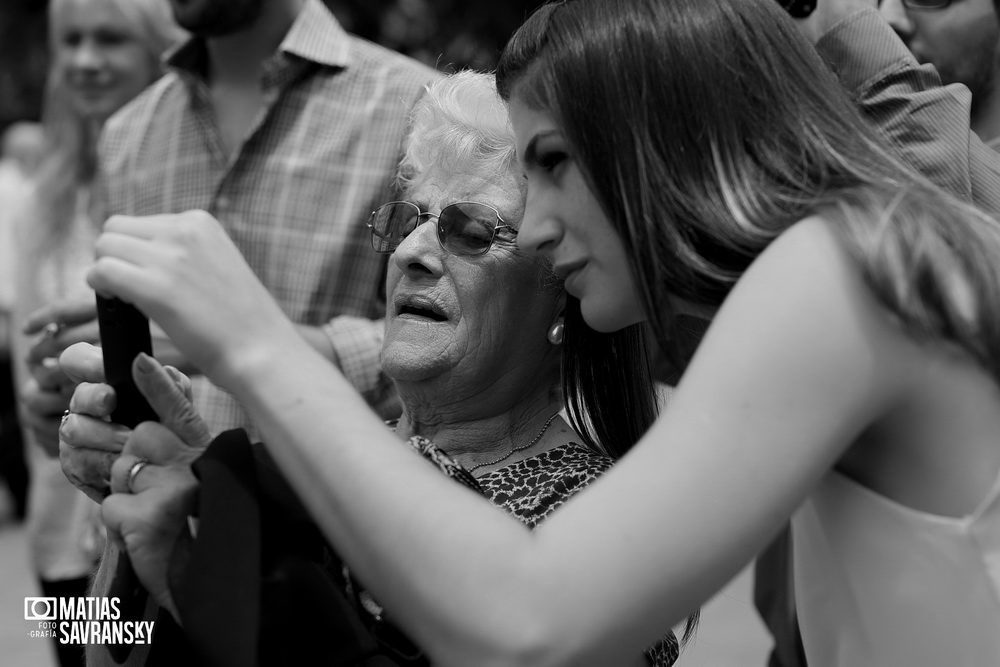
x=481, y=317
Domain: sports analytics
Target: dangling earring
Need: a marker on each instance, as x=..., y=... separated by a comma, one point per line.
x=556, y=333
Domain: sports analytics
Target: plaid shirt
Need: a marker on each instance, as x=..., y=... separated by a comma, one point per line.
x=296, y=194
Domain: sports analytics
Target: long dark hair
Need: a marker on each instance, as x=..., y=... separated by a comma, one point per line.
x=705, y=129
x=607, y=382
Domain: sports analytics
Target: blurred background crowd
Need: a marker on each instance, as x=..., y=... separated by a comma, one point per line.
x=447, y=34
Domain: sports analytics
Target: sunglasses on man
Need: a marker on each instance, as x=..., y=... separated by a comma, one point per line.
x=800, y=9
x=924, y=5
x=463, y=228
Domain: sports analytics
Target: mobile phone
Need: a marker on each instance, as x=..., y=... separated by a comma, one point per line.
x=124, y=334
x=799, y=8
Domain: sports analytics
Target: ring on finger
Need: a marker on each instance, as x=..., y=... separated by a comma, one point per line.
x=133, y=472
x=51, y=330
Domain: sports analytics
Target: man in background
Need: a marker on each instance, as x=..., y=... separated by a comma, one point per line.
x=961, y=39
x=287, y=129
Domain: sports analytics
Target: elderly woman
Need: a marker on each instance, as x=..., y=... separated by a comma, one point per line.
x=472, y=337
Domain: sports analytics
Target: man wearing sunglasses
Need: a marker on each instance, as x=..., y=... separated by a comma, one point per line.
x=961, y=38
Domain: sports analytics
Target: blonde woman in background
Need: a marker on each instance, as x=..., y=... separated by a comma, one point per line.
x=103, y=53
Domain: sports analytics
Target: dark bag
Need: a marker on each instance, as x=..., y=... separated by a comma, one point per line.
x=255, y=588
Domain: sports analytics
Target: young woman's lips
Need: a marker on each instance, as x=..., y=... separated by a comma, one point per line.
x=570, y=273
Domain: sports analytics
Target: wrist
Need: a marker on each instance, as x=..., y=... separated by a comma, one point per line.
x=321, y=339
x=254, y=354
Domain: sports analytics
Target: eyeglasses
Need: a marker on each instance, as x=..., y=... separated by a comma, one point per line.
x=924, y=5
x=463, y=228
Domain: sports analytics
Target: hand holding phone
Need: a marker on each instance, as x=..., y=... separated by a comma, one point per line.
x=124, y=334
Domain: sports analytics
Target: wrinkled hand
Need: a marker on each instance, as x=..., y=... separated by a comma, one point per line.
x=828, y=13
x=184, y=272
x=61, y=324
x=151, y=523
x=167, y=353
x=146, y=514
x=45, y=395
x=43, y=409
x=90, y=443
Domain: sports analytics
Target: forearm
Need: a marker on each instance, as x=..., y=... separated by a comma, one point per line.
x=470, y=584
x=317, y=340
x=354, y=345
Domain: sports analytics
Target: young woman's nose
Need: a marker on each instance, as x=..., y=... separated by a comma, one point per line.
x=540, y=230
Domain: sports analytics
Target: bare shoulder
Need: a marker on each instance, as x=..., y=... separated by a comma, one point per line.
x=810, y=266
x=805, y=269
x=811, y=242
x=803, y=306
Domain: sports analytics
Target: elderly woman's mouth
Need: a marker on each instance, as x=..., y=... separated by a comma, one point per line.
x=420, y=307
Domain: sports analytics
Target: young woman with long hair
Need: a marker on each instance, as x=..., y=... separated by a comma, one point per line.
x=692, y=157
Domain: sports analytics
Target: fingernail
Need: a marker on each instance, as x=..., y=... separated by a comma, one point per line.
x=144, y=363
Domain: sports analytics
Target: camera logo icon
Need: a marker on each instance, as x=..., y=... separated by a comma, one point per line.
x=40, y=609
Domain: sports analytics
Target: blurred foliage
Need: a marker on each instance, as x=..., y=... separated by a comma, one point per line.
x=447, y=34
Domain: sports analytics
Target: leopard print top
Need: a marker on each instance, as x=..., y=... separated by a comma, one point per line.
x=535, y=487
x=530, y=490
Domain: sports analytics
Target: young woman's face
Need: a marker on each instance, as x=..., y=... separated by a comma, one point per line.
x=564, y=222
x=102, y=59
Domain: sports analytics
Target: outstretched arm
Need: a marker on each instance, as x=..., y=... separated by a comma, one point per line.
x=750, y=431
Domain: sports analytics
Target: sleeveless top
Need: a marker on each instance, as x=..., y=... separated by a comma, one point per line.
x=880, y=584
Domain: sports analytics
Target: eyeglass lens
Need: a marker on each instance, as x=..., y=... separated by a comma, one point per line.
x=924, y=4
x=390, y=224
x=465, y=228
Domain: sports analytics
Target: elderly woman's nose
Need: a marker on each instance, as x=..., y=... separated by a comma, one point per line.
x=420, y=251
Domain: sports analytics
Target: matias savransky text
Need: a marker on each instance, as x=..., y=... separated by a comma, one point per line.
x=84, y=620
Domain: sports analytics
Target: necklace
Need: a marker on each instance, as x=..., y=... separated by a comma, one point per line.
x=517, y=449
